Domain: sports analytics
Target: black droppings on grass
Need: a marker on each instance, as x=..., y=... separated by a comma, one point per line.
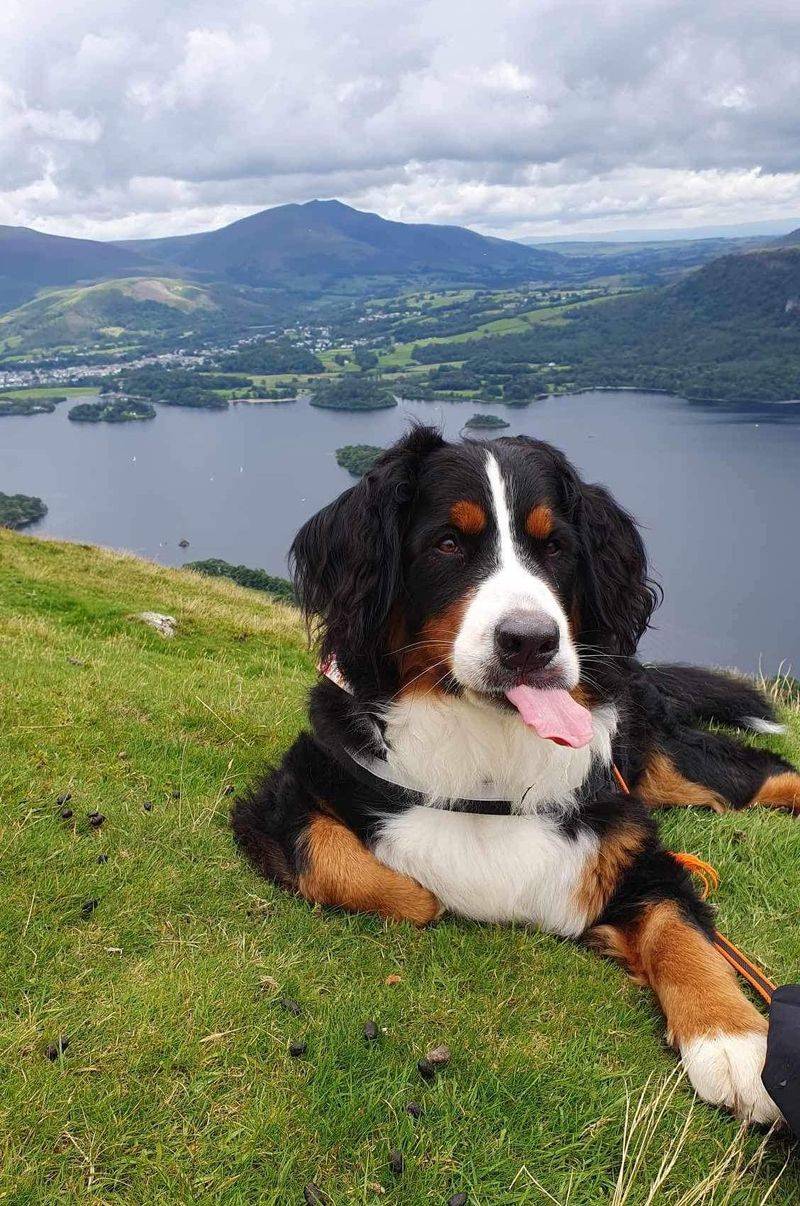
x=228, y=790
x=88, y=907
x=102, y=858
x=95, y=819
x=54, y=1050
x=426, y=1069
x=458, y=1199
x=75, y=661
x=290, y=1006
x=297, y=1048
x=66, y=814
x=371, y=1032
x=148, y=806
x=176, y=795
x=313, y=1195
x=65, y=799
x=414, y=1109
x=396, y=1162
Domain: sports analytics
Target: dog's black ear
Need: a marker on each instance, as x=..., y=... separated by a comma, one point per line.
x=347, y=560
x=616, y=595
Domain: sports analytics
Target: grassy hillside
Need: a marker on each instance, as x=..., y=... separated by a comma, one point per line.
x=126, y=313
x=147, y=943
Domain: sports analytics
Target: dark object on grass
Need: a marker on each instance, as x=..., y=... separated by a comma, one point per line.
x=95, y=819
x=57, y=1048
x=65, y=799
x=414, y=1109
x=297, y=1048
x=290, y=1006
x=438, y=1056
x=313, y=1195
x=148, y=806
x=370, y=1032
x=426, y=1069
x=781, y=1075
x=396, y=1162
x=102, y=858
x=458, y=1199
x=66, y=813
x=88, y=907
x=229, y=790
x=176, y=795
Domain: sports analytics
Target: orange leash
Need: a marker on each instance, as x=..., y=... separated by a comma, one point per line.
x=758, y=980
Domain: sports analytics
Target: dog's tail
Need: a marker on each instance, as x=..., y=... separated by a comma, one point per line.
x=703, y=696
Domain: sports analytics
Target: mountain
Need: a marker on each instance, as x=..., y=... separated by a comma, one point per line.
x=30, y=260
x=320, y=243
x=128, y=312
x=792, y=239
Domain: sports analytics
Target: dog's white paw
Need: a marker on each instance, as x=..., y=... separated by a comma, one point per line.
x=725, y=1069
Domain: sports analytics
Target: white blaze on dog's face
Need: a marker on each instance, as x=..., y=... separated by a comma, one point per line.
x=514, y=628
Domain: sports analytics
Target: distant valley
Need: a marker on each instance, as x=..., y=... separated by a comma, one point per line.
x=321, y=298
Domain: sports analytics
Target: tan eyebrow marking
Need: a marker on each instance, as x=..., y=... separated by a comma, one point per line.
x=469, y=517
x=539, y=523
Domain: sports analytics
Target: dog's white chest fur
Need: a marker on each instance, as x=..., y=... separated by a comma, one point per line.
x=493, y=868
x=450, y=748
x=523, y=867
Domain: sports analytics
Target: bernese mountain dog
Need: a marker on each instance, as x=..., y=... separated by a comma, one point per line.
x=478, y=608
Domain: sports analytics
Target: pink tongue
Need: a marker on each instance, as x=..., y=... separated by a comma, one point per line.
x=553, y=714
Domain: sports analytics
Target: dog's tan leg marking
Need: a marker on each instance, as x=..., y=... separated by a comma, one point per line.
x=721, y=1037
x=663, y=786
x=779, y=791
x=341, y=871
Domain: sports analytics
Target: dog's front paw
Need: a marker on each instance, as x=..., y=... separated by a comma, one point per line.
x=725, y=1070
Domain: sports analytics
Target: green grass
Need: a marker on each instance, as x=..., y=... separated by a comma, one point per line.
x=176, y=1085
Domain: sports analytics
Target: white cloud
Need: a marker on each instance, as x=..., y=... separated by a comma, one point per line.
x=516, y=116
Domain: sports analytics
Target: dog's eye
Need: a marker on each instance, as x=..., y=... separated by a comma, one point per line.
x=552, y=548
x=448, y=545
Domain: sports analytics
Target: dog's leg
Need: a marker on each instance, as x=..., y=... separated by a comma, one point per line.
x=721, y=1037
x=338, y=869
x=711, y=770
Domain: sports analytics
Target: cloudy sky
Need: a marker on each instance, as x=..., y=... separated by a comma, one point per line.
x=128, y=118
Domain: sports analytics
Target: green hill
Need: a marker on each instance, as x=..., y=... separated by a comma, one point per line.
x=144, y=941
x=729, y=330
x=30, y=260
x=124, y=314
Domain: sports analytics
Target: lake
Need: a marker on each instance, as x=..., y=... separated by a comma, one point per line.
x=715, y=487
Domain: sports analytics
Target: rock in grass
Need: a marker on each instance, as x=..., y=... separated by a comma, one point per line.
x=458, y=1199
x=165, y=626
x=414, y=1109
x=396, y=1162
x=148, y=806
x=54, y=1050
x=313, y=1195
x=297, y=1048
x=439, y=1056
x=426, y=1069
x=371, y=1032
x=290, y=1006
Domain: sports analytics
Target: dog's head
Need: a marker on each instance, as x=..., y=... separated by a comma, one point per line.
x=474, y=567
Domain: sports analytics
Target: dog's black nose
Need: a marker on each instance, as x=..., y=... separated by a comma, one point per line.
x=526, y=641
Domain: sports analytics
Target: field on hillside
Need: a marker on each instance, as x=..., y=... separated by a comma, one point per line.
x=144, y=941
